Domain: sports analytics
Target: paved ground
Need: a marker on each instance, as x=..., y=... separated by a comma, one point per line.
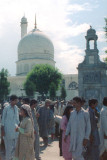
x=49, y=153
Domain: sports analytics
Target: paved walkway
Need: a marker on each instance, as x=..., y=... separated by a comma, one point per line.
x=49, y=153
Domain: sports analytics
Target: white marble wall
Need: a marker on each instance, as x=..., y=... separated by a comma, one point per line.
x=24, y=66
x=16, y=85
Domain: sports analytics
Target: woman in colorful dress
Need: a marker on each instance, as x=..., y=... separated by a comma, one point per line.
x=25, y=145
x=65, y=145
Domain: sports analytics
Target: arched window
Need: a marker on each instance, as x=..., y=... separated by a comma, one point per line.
x=73, y=85
x=32, y=66
x=26, y=68
x=91, y=44
x=21, y=70
x=18, y=69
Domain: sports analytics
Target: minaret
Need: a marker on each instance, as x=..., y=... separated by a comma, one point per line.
x=24, y=24
x=35, y=25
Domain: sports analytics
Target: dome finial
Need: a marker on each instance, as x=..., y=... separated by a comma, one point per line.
x=90, y=27
x=35, y=23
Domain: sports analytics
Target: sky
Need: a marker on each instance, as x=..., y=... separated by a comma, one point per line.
x=65, y=22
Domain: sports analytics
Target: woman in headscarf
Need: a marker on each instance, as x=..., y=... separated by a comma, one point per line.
x=25, y=145
x=65, y=145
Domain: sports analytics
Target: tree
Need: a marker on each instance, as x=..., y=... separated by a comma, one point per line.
x=29, y=88
x=63, y=92
x=52, y=91
x=105, y=29
x=42, y=76
x=4, y=85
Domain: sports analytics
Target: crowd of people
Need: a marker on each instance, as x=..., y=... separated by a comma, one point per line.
x=81, y=130
x=84, y=132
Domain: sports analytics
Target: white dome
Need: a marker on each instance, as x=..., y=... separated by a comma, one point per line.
x=35, y=45
x=34, y=48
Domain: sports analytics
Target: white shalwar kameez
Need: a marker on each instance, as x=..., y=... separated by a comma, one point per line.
x=79, y=128
x=103, y=130
x=10, y=119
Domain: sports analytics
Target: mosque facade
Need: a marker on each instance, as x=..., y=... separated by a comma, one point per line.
x=36, y=48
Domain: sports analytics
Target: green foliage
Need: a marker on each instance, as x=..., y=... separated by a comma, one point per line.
x=29, y=88
x=105, y=29
x=63, y=92
x=42, y=75
x=4, y=85
x=105, y=60
x=52, y=91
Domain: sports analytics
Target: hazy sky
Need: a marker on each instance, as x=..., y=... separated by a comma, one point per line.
x=64, y=21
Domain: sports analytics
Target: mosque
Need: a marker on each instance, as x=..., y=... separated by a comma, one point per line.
x=36, y=48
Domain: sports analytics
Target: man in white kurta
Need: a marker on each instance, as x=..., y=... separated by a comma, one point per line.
x=61, y=108
x=103, y=127
x=10, y=119
x=79, y=129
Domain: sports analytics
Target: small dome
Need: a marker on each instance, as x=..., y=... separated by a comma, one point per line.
x=23, y=19
x=35, y=45
x=91, y=31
